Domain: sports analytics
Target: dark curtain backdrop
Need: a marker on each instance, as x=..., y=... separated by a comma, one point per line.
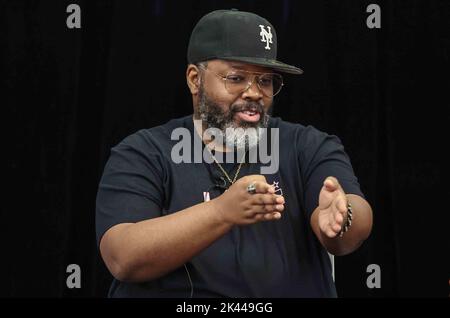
x=69, y=95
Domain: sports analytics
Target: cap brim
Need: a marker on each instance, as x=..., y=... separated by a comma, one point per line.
x=275, y=65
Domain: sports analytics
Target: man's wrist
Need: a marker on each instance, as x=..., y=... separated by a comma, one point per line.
x=217, y=210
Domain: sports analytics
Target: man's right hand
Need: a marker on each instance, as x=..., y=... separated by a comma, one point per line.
x=238, y=207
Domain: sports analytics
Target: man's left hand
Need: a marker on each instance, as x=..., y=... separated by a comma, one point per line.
x=332, y=207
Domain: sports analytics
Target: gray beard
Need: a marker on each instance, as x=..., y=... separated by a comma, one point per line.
x=240, y=137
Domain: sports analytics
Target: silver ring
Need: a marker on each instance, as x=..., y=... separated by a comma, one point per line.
x=251, y=188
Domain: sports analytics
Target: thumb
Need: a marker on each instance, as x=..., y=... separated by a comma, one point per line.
x=331, y=184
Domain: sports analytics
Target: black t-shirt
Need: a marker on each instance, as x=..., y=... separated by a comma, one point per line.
x=280, y=258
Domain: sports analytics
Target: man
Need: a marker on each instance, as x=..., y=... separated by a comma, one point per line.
x=177, y=229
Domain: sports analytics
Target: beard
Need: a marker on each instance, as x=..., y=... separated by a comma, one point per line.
x=241, y=136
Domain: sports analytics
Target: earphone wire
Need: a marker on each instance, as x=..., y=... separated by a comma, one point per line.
x=190, y=281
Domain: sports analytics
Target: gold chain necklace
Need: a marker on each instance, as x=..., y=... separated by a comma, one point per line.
x=223, y=170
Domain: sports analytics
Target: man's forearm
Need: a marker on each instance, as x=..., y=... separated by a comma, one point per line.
x=355, y=236
x=149, y=249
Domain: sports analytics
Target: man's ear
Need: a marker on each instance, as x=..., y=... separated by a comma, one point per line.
x=193, y=78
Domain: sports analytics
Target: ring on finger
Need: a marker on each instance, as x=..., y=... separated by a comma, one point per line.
x=251, y=188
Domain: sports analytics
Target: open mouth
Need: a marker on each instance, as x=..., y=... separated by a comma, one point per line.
x=248, y=115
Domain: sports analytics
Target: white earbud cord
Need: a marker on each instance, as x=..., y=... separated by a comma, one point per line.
x=190, y=281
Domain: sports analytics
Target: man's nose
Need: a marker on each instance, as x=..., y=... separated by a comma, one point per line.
x=253, y=92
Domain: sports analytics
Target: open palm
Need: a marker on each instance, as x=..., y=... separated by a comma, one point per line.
x=332, y=207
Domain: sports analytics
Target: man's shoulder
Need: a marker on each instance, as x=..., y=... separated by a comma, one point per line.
x=164, y=131
x=305, y=134
x=157, y=136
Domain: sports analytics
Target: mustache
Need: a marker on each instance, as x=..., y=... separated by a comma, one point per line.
x=249, y=106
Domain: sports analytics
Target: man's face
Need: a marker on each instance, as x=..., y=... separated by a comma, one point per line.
x=223, y=109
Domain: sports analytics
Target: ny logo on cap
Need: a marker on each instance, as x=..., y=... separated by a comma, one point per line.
x=266, y=36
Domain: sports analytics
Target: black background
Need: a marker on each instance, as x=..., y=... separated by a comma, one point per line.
x=71, y=94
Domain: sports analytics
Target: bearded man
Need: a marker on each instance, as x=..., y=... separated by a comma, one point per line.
x=219, y=228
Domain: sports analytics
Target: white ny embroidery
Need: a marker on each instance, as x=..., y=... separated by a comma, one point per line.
x=266, y=36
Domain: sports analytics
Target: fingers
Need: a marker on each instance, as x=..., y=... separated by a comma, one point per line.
x=263, y=204
x=262, y=199
x=330, y=233
x=260, y=183
x=272, y=216
x=263, y=209
x=339, y=212
x=332, y=228
x=268, y=206
x=334, y=217
x=267, y=216
x=338, y=216
x=271, y=208
x=263, y=187
x=265, y=212
x=336, y=227
x=341, y=204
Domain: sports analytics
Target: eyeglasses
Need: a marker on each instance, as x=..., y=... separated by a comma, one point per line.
x=239, y=81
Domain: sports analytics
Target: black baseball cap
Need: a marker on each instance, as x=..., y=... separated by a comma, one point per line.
x=236, y=36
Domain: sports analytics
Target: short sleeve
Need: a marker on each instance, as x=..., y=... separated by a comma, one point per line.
x=131, y=187
x=323, y=155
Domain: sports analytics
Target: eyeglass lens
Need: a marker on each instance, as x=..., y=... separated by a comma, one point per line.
x=238, y=81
